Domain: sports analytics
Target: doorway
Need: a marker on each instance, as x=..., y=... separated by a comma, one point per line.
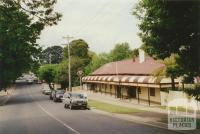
x=118, y=92
x=132, y=92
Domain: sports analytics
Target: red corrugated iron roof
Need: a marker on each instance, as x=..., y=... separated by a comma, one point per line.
x=129, y=67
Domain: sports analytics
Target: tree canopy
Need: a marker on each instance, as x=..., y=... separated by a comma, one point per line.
x=121, y=51
x=21, y=23
x=171, y=69
x=78, y=48
x=52, y=55
x=47, y=73
x=171, y=27
x=80, y=58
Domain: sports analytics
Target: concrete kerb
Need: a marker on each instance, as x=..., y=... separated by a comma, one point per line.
x=132, y=118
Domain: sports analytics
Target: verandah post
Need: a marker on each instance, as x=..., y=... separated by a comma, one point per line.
x=149, y=95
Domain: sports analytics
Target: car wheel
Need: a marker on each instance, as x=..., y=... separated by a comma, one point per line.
x=70, y=106
x=65, y=105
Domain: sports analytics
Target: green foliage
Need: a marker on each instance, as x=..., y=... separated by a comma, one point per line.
x=18, y=49
x=194, y=91
x=134, y=53
x=96, y=62
x=61, y=74
x=171, y=27
x=21, y=23
x=120, y=52
x=76, y=64
x=79, y=49
x=54, y=53
x=80, y=57
x=41, y=11
x=47, y=73
x=171, y=68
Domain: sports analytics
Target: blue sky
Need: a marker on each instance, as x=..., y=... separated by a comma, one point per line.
x=101, y=23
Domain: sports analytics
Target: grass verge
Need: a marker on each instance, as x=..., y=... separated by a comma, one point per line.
x=113, y=108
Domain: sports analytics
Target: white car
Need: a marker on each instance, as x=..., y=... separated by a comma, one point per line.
x=29, y=81
x=72, y=100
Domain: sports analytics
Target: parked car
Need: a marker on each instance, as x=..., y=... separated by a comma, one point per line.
x=58, y=95
x=47, y=91
x=72, y=100
x=39, y=82
x=29, y=81
x=45, y=87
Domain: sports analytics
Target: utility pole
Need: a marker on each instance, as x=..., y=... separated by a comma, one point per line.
x=68, y=38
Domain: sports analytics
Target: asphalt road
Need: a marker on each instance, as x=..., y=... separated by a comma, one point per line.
x=28, y=111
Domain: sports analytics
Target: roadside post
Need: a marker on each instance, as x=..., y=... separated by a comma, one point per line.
x=80, y=74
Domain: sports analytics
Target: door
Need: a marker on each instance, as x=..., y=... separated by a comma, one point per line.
x=118, y=91
x=132, y=92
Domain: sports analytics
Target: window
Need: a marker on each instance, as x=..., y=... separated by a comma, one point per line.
x=105, y=86
x=139, y=90
x=152, y=92
x=110, y=86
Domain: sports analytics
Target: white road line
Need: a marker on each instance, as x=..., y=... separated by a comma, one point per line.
x=58, y=120
x=52, y=116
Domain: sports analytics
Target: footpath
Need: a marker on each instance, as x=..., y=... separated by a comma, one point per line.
x=153, y=115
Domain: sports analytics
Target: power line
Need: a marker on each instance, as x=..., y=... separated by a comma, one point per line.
x=94, y=18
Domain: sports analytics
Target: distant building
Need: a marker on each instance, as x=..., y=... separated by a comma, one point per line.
x=129, y=79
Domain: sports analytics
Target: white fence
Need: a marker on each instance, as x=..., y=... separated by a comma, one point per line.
x=176, y=95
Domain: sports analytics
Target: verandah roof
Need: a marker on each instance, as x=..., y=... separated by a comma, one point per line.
x=145, y=81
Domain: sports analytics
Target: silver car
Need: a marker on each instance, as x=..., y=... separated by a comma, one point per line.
x=72, y=100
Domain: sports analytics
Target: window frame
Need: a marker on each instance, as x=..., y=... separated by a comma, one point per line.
x=152, y=92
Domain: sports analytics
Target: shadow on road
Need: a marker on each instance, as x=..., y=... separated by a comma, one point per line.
x=22, y=94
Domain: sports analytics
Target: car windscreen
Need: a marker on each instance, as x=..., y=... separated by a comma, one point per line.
x=77, y=96
x=61, y=91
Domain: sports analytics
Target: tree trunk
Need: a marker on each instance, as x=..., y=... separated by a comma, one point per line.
x=173, y=83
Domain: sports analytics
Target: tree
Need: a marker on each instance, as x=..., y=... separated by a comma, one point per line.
x=78, y=48
x=194, y=91
x=80, y=57
x=54, y=53
x=134, y=53
x=61, y=74
x=171, y=27
x=76, y=64
x=47, y=73
x=40, y=12
x=171, y=69
x=96, y=62
x=21, y=23
x=120, y=52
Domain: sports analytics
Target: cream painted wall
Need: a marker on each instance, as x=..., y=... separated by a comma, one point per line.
x=144, y=95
